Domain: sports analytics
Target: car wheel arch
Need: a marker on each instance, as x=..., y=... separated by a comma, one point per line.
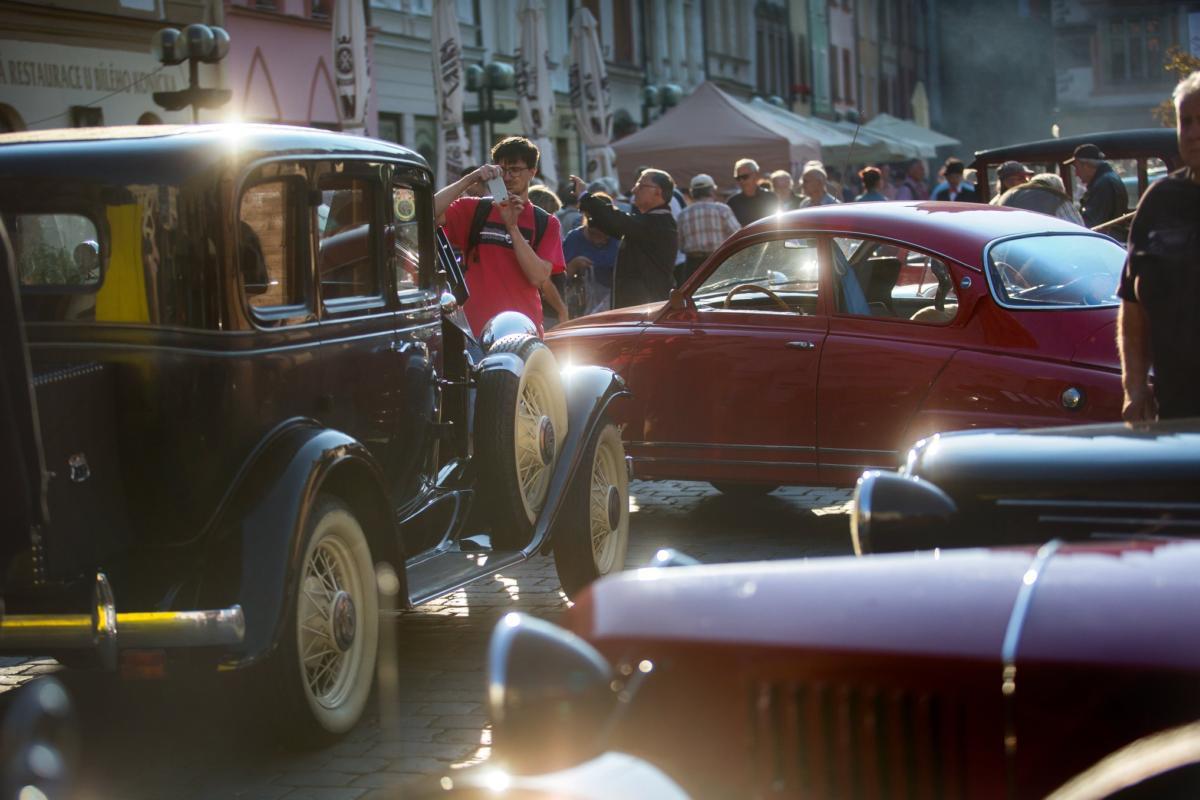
x=270, y=511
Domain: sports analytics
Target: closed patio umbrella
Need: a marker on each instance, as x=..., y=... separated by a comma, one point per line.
x=590, y=97
x=350, y=64
x=535, y=95
x=453, y=147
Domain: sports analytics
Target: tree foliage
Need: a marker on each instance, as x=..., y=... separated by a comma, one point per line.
x=1179, y=63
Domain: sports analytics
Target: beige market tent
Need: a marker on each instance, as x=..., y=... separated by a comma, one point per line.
x=835, y=144
x=906, y=130
x=707, y=133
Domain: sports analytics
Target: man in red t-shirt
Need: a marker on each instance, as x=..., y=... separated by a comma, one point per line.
x=503, y=271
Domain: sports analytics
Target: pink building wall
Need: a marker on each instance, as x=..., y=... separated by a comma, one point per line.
x=280, y=67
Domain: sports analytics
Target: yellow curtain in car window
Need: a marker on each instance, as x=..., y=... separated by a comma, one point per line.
x=122, y=297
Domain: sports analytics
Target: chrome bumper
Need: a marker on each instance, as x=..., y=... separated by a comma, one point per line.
x=104, y=629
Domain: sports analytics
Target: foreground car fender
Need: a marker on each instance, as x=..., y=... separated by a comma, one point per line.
x=275, y=495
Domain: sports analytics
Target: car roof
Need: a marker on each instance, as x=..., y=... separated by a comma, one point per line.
x=956, y=230
x=243, y=141
x=1161, y=142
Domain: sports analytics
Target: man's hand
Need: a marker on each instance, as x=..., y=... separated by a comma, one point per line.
x=510, y=211
x=577, y=184
x=1140, y=405
x=577, y=265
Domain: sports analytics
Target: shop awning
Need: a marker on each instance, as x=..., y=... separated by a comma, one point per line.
x=906, y=130
x=876, y=147
x=835, y=144
x=707, y=133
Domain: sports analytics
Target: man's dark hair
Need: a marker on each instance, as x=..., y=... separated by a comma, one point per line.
x=953, y=166
x=870, y=178
x=516, y=148
x=662, y=180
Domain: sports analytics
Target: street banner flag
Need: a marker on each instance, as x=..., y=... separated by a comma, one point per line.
x=590, y=98
x=453, y=147
x=535, y=95
x=350, y=64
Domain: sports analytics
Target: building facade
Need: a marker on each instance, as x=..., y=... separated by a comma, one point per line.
x=280, y=63
x=74, y=63
x=1108, y=60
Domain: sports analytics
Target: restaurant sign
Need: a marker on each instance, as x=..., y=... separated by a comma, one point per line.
x=40, y=80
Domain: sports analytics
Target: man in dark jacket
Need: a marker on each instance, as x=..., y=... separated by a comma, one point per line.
x=649, y=239
x=1105, y=197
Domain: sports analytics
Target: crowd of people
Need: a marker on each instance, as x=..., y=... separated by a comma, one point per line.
x=589, y=246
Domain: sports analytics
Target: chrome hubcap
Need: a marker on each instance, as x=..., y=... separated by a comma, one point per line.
x=546, y=441
x=342, y=621
x=614, y=507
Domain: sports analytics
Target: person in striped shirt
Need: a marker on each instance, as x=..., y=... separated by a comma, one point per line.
x=703, y=226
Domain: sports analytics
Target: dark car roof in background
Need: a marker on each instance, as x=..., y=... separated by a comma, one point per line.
x=1159, y=142
x=956, y=230
x=1090, y=454
x=243, y=142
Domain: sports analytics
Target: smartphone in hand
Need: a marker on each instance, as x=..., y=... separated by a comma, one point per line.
x=497, y=189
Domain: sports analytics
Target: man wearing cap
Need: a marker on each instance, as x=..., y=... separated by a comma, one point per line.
x=1105, y=196
x=703, y=226
x=955, y=188
x=751, y=202
x=1158, y=325
x=1010, y=175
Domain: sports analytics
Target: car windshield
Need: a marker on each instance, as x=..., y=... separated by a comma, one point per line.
x=1056, y=271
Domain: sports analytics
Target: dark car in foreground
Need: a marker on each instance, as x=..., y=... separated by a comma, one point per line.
x=821, y=342
x=257, y=409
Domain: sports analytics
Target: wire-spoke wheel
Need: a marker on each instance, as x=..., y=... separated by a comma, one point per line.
x=520, y=424
x=591, y=537
x=326, y=661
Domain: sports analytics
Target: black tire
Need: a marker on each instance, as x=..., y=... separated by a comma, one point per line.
x=307, y=706
x=591, y=536
x=744, y=490
x=519, y=425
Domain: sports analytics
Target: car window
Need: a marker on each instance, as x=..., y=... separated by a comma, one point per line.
x=55, y=250
x=1056, y=271
x=405, y=239
x=787, y=268
x=347, y=230
x=879, y=279
x=271, y=248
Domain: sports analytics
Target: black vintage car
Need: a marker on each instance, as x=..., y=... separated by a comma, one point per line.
x=259, y=400
x=979, y=488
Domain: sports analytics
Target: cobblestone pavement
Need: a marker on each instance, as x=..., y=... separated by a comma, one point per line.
x=159, y=741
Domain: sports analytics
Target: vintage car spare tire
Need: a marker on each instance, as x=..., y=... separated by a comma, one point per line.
x=319, y=678
x=520, y=425
x=591, y=535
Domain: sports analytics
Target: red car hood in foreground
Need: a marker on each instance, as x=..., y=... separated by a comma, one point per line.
x=844, y=677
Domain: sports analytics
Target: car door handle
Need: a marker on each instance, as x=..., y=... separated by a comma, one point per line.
x=802, y=345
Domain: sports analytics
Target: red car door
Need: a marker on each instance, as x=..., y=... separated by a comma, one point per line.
x=729, y=381
x=893, y=328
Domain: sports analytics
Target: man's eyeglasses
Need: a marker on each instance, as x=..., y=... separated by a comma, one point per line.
x=512, y=172
x=741, y=177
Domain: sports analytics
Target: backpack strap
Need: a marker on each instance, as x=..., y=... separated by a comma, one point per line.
x=541, y=219
x=482, y=209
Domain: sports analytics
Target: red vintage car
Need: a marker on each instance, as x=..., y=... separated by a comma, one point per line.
x=820, y=342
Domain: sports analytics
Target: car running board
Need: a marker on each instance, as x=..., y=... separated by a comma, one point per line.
x=442, y=573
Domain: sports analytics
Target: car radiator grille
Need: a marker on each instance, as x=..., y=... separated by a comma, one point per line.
x=825, y=740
